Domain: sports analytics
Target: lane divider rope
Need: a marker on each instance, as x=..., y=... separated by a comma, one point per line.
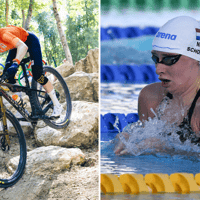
x=153, y=183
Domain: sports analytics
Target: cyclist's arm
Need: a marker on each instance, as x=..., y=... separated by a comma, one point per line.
x=21, y=50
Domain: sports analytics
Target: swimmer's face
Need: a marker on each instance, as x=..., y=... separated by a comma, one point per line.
x=177, y=72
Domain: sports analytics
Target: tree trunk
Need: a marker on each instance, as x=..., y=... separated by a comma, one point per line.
x=86, y=11
x=7, y=12
x=61, y=33
x=28, y=19
x=23, y=19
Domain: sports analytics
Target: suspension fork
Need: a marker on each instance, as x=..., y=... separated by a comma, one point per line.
x=5, y=140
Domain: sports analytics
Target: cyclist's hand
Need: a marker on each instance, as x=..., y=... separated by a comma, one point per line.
x=13, y=69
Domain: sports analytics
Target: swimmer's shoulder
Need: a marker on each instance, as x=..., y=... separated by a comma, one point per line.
x=154, y=92
x=149, y=98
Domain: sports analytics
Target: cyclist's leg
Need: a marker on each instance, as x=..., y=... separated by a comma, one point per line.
x=11, y=55
x=37, y=70
x=34, y=49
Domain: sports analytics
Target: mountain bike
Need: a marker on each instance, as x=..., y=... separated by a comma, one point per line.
x=12, y=140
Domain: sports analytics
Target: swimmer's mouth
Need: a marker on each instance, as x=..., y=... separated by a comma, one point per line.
x=165, y=80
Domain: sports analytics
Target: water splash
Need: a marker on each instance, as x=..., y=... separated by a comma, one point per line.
x=156, y=137
x=116, y=124
x=159, y=136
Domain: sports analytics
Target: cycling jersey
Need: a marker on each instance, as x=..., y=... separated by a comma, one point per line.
x=10, y=35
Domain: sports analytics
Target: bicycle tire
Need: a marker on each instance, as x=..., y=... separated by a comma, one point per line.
x=65, y=97
x=19, y=136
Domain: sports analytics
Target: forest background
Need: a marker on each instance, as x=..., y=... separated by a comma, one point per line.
x=79, y=22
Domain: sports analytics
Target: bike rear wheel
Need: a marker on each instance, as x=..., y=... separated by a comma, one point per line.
x=12, y=160
x=44, y=103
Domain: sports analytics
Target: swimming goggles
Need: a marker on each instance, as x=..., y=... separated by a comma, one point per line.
x=167, y=60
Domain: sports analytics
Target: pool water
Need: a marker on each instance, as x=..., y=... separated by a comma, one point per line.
x=119, y=98
x=172, y=157
x=123, y=98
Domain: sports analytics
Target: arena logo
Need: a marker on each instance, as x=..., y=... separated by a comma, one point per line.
x=193, y=50
x=166, y=36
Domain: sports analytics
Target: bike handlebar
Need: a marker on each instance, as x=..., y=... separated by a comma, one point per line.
x=25, y=60
x=4, y=76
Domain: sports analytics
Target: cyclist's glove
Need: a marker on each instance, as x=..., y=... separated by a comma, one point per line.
x=13, y=69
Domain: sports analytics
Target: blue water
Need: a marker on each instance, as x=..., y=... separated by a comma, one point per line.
x=144, y=164
x=127, y=51
x=170, y=158
x=119, y=98
x=123, y=98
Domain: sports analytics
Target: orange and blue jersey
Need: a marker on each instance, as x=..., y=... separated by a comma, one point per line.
x=10, y=35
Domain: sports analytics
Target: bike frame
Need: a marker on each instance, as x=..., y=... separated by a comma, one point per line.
x=6, y=139
x=33, y=117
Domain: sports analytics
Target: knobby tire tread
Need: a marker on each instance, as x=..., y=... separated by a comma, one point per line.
x=67, y=97
x=23, y=153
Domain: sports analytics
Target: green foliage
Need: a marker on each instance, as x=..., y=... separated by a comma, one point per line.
x=80, y=25
x=2, y=13
x=47, y=28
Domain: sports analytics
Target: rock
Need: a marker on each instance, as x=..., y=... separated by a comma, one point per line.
x=50, y=160
x=28, y=187
x=96, y=58
x=45, y=175
x=80, y=66
x=66, y=69
x=89, y=64
x=82, y=130
x=80, y=86
x=95, y=83
x=80, y=182
x=26, y=127
x=93, y=56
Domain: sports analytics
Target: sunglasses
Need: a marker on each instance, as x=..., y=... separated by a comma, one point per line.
x=168, y=60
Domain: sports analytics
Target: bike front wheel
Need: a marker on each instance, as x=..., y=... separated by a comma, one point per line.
x=44, y=103
x=12, y=158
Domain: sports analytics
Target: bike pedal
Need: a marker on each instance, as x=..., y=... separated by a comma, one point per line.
x=54, y=117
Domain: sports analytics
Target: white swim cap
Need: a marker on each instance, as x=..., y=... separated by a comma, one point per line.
x=179, y=35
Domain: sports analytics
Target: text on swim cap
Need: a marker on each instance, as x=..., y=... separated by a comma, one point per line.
x=166, y=36
x=193, y=50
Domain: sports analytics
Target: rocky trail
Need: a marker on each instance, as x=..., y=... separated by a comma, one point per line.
x=79, y=181
x=64, y=163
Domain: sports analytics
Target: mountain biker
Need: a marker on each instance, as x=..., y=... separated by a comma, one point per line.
x=18, y=41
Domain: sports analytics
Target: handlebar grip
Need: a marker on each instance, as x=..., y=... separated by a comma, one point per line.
x=26, y=60
x=4, y=76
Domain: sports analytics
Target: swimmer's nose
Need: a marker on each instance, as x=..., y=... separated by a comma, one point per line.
x=160, y=68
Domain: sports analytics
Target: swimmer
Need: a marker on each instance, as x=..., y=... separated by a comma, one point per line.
x=176, y=53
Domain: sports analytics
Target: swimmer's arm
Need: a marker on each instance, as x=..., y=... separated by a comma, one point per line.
x=142, y=106
x=21, y=50
x=149, y=98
